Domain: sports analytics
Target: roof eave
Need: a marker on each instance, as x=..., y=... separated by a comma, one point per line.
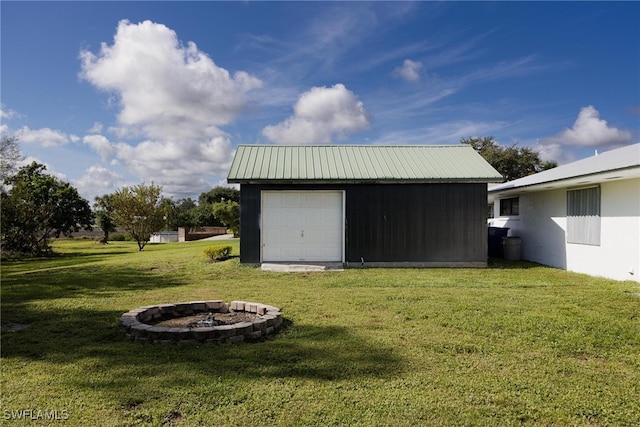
x=548, y=182
x=365, y=181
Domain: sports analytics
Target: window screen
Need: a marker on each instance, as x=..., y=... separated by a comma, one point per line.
x=583, y=216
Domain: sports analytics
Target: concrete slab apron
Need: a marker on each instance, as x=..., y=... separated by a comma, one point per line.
x=293, y=268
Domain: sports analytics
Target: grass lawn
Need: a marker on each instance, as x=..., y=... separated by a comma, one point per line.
x=514, y=344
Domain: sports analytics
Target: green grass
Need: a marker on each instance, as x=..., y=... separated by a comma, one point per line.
x=514, y=344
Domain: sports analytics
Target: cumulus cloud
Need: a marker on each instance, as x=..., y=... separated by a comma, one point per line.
x=97, y=181
x=159, y=80
x=409, y=71
x=174, y=98
x=321, y=115
x=179, y=168
x=45, y=137
x=553, y=151
x=591, y=131
x=100, y=145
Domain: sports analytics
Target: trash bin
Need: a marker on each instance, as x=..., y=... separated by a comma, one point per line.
x=512, y=247
x=496, y=234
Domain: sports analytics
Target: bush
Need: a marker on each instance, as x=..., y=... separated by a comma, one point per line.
x=117, y=237
x=217, y=252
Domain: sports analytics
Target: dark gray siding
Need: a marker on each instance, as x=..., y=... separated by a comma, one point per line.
x=428, y=223
x=250, y=224
x=392, y=223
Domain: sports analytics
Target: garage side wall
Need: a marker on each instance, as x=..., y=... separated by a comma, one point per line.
x=392, y=224
x=430, y=224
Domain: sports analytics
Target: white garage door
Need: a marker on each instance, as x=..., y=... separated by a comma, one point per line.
x=302, y=226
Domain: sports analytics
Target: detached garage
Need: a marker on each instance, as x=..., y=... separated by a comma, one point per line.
x=404, y=206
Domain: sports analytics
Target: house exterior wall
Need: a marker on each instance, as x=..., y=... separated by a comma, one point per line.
x=619, y=250
x=542, y=225
x=392, y=224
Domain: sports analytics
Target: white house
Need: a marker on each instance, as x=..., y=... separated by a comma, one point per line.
x=583, y=216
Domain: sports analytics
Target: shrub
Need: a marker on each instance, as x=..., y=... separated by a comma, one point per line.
x=117, y=237
x=217, y=252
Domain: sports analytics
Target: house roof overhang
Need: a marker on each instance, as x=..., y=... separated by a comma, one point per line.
x=619, y=164
x=503, y=190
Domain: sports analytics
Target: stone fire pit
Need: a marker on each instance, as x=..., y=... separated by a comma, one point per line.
x=202, y=321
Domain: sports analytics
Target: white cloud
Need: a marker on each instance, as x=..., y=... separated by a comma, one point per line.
x=7, y=114
x=180, y=168
x=96, y=128
x=589, y=130
x=100, y=145
x=97, y=181
x=321, y=115
x=174, y=97
x=410, y=70
x=45, y=137
x=159, y=80
x=551, y=152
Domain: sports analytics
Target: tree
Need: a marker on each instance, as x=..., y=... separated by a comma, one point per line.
x=228, y=211
x=169, y=211
x=10, y=156
x=103, y=209
x=138, y=210
x=219, y=194
x=183, y=214
x=204, y=213
x=39, y=207
x=512, y=162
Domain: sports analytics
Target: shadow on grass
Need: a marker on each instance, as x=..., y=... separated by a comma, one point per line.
x=73, y=336
x=76, y=281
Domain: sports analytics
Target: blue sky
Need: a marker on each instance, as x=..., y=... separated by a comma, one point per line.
x=108, y=94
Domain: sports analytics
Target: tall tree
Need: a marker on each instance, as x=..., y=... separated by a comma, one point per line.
x=39, y=207
x=10, y=156
x=139, y=211
x=512, y=162
x=103, y=209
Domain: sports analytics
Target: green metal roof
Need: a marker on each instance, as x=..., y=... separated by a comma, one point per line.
x=359, y=163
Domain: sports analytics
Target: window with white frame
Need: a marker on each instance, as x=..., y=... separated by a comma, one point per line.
x=583, y=216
